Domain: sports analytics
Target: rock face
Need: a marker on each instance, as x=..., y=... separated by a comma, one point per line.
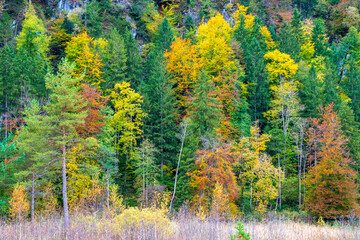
x=67, y=5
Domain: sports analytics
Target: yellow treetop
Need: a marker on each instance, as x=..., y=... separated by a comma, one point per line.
x=183, y=65
x=82, y=49
x=128, y=117
x=268, y=39
x=19, y=205
x=213, y=45
x=280, y=65
x=249, y=18
x=33, y=35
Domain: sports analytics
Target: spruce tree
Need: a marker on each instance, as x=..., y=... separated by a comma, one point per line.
x=311, y=93
x=160, y=105
x=115, y=61
x=134, y=73
x=164, y=36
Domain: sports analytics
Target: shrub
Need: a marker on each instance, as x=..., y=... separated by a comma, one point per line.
x=241, y=234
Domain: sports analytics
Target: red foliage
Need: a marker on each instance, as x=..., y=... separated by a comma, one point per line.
x=95, y=103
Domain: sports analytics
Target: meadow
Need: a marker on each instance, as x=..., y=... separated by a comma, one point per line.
x=148, y=225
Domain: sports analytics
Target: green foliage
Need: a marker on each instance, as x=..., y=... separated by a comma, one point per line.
x=160, y=106
x=115, y=61
x=164, y=65
x=241, y=233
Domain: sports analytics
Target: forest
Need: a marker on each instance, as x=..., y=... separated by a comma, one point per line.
x=127, y=117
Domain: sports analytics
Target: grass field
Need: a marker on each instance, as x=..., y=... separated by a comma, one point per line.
x=91, y=227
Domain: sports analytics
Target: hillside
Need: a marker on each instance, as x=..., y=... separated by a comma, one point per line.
x=229, y=110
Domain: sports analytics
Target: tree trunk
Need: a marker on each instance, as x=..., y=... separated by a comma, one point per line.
x=178, y=165
x=32, y=197
x=64, y=190
x=279, y=167
x=108, y=191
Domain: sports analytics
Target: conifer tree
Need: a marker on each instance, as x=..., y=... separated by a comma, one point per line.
x=311, y=92
x=134, y=61
x=350, y=84
x=160, y=106
x=164, y=36
x=37, y=156
x=204, y=108
x=64, y=115
x=115, y=61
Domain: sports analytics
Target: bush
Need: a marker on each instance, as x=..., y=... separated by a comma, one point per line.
x=241, y=234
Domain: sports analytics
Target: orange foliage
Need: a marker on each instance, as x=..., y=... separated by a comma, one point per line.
x=183, y=65
x=95, y=103
x=213, y=166
x=331, y=186
x=19, y=205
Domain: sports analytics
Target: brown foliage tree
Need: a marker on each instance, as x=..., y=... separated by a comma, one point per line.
x=95, y=103
x=213, y=166
x=331, y=187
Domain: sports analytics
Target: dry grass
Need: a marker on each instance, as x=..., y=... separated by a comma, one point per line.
x=182, y=228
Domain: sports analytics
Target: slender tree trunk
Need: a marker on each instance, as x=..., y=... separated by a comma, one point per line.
x=251, y=188
x=108, y=191
x=143, y=182
x=300, y=162
x=32, y=197
x=162, y=139
x=178, y=165
x=304, y=176
x=279, y=167
x=64, y=190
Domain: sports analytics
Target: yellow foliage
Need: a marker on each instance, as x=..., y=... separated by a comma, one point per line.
x=33, y=35
x=307, y=30
x=50, y=201
x=249, y=18
x=285, y=99
x=82, y=49
x=221, y=207
x=82, y=189
x=258, y=169
x=307, y=51
x=266, y=188
x=213, y=45
x=19, y=204
x=153, y=18
x=128, y=116
x=133, y=220
x=268, y=39
x=280, y=65
x=183, y=65
x=116, y=205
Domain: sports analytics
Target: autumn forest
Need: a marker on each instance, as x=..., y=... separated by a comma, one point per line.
x=157, y=119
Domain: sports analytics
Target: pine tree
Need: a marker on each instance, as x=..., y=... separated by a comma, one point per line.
x=319, y=38
x=311, y=92
x=288, y=41
x=64, y=115
x=37, y=156
x=350, y=84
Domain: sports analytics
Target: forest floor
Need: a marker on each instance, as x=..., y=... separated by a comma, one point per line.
x=89, y=227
